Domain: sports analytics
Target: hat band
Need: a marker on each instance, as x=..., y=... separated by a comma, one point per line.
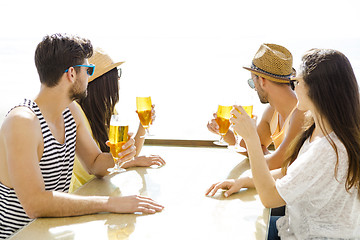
x=271, y=74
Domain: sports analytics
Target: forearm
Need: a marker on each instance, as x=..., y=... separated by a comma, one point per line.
x=59, y=204
x=230, y=137
x=274, y=160
x=248, y=181
x=139, y=139
x=102, y=162
x=262, y=178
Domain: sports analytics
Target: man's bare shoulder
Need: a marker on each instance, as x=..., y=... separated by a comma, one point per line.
x=20, y=117
x=268, y=114
x=21, y=125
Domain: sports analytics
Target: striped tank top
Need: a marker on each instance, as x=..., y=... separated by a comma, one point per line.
x=56, y=165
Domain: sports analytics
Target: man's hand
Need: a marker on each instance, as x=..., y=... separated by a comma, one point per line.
x=133, y=204
x=213, y=126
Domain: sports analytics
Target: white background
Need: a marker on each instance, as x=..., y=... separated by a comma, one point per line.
x=188, y=55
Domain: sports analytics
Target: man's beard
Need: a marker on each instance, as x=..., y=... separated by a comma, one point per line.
x=77, y=94
x=262, y=95
x=263, y=99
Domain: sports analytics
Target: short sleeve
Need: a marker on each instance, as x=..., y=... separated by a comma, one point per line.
x=314, y=166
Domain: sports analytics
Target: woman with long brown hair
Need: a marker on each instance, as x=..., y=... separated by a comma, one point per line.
x=98, y=106
x=320, y=181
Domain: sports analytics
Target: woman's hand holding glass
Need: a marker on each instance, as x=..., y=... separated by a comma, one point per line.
x=127, y=153
x=129, y=150
x=243, y=124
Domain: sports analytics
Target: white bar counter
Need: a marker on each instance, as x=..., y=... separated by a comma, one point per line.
x=180, y=186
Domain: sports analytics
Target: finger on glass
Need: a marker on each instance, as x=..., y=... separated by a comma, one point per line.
x=118, y=136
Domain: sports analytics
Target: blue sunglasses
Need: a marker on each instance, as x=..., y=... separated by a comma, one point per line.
x=90, y=68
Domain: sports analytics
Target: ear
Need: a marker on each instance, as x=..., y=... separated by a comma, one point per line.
x=71, y=75
x=262, y=81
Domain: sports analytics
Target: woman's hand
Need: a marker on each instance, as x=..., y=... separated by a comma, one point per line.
x=129, y=149
x=147, y=161
x=243, y=124
x=153, y=115
x=231, y=185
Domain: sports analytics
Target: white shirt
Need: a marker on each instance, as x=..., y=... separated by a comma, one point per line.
x=317, y=205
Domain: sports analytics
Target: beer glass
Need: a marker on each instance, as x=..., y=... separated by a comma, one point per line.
x=237, y=147
x=118, y=136
x=144, y=107
x=222, y=119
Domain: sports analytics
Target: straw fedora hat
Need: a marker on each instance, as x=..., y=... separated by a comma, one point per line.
x=273, y=62
x=103, y=63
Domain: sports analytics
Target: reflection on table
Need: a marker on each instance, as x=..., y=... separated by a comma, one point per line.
x=180, y=186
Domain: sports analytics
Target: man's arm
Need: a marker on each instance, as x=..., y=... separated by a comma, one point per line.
x=275, y=159
x=263, y=130
x=24, y=148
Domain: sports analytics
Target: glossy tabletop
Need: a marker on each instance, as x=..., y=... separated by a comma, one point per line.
x=180, y=186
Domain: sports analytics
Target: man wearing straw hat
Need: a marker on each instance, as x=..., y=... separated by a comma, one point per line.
x=271, y=70
x=37, y=144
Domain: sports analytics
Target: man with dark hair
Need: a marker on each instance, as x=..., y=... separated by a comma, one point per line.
x=37, y=144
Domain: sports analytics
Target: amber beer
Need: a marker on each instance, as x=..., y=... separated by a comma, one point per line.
x=249, y=110
x=144, y=107
x=224, y=125
x=222, y=118
x=145, y=118
x=118, y=136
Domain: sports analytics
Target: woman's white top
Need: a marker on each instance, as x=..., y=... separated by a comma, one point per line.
x=317, y=204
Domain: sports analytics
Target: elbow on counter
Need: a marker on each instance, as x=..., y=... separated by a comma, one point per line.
x=33, y=212
x=40, y=205
x=270, y=203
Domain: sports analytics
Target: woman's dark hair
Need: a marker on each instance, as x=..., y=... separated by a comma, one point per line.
x=99, y=105
x=57, y=52
x=334, y=91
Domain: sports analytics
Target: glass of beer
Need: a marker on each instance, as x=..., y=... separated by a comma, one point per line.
x=222, y=118
x=118, y=136
x=237, y=147
x=144, y=107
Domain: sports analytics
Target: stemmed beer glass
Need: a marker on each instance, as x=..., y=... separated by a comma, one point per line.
x=222, y=118
x=118, y=136
x=144, y=108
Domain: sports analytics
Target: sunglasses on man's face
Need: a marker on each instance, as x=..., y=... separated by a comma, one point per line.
x=293, y=83
x=90, y=69
x=251, y=83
